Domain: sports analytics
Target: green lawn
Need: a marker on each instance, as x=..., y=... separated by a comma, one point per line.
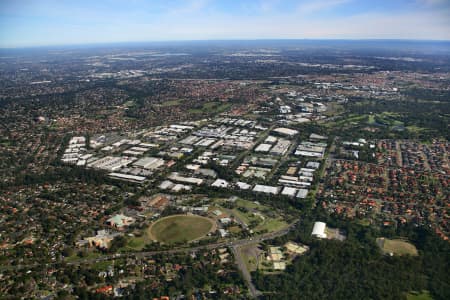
x=89, y=255
x=415, y=129
x=129, y=103
x=271, y=225
x=346, y=120
x=424, y=295
x=180, y=228
x=248, y=204
x=364, y=222
x=398, y=247
x=136, y=243
x=174, y=102
x=210, y=108
x=244, y=217
x=101, y=265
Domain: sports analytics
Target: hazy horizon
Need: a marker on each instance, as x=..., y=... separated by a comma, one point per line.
x=27, y=23
x=310, y=42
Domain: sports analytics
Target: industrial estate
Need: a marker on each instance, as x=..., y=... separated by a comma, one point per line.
x=270, y=171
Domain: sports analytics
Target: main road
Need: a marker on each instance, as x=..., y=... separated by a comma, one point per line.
x=144, y=254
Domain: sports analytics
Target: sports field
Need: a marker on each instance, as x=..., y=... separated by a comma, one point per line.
x=397, y=246
x=180, y=228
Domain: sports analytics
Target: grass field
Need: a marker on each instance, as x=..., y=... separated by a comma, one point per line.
x=210, y=107
x=268, y=223
x=137, y=243
x=180, y=228
x=397, y=246
x=89, y=255
x=174, y=102
x=271, y=225
x=245, y=217
x=346, y=120
x=424, y=295
x=415, y=129
x=248, y=204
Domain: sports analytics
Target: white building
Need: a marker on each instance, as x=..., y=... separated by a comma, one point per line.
x=266, y=189
x=150, y=163
x=243, y=185
x=302, y=193
x=288, y=191
x=319, y=230
x=263, y=148
x=270, y=139
x=128, y=177
x=191, y=180
x=220, y=183
x=166, y=184
x=285, y=131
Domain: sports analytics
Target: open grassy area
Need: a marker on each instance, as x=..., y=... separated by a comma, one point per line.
x=246, y=218
x=364, y=222
x=101, y=265
x=180, y=228
x=248, y=204
x=334, y=108
x=386, y=118
x=174, y=102
x=397, y=246
x=137, y=243
x=346, y=120
x=259, y=217
x=129, y=103
x=415, y=129
x=271, y=225
x=424, y=295
x=88, y=255
x=210, y=107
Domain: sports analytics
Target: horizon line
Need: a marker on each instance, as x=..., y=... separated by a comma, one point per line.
x=221, y=40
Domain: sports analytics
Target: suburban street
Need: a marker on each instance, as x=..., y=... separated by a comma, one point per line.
x=144, y=254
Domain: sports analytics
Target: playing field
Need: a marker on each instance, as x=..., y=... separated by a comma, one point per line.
x=398, y=247
x=424, y=295
x=180, y=228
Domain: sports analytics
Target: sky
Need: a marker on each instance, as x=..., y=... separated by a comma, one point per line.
x=26, y=23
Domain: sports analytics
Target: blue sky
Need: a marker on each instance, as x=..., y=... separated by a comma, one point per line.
x=59, y=22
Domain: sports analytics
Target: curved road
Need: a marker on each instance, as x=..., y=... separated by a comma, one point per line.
x=234, y=245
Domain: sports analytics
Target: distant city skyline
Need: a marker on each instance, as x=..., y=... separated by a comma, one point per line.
x=25, y=23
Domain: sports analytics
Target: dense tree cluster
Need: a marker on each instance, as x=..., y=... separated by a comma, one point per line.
x=356, y=268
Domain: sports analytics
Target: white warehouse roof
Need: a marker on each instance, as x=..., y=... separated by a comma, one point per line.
x=285, y=131
x=288, y=191
x=263, y=148
x=319, y=230
x=266, y=189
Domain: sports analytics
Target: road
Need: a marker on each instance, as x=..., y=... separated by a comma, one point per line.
x=144, y=254
x=245, y=273
x=240, y=261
